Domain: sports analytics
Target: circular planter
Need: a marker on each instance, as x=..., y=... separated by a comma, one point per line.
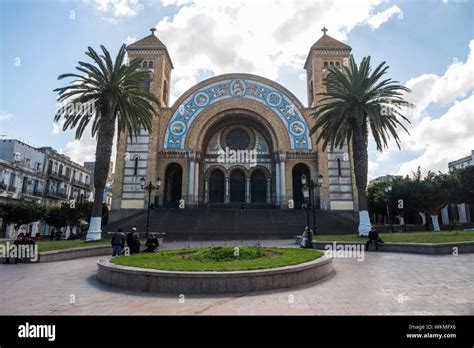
x=213, y=282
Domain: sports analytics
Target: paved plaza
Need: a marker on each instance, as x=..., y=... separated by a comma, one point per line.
x=384, y=283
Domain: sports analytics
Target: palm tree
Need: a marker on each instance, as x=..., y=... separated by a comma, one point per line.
x=108, y=95
x=357, y=100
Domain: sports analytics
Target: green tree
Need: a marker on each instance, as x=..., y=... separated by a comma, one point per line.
x=109, y=95
x=23, y=214
x=54, y=217
x=437, y=190
x=465, y=179
x=357, y=100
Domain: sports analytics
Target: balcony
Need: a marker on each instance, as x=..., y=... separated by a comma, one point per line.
x=32, y=192
x=80, y=184
x=56, y=194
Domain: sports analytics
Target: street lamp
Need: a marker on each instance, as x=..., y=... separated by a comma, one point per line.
x=150, y=186
x=305, y=190
x=387, y=190
x=312, y=185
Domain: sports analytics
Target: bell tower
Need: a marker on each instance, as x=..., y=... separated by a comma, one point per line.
x=326, y=52
x=338, y=191
x=156, y=59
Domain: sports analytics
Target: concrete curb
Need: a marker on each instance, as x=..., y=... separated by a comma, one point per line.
x=410, y=248
x=140, y=279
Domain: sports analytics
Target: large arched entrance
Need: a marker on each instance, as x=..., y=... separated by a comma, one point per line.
x=258, y=187
x=173, y=184
x=216, y=186
x=237, y=186
x=297, y=172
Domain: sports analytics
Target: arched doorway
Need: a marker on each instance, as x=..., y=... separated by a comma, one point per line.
x=258, y=187
x=237, y=187
x=173, y=184
x=297, y=172
x=216, y=187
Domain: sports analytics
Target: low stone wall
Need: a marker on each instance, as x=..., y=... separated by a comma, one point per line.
x=75, y=253
x=411, y=248
x=133, y=278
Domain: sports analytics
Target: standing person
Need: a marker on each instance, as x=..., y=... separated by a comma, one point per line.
x=118, y=243
x=52, y=234
x=135, y=247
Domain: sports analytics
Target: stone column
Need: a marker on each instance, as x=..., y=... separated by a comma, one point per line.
x=196, y=183
x=445, y=215
x=283, y=180
x=191, y=182
x=277, y=183
x=206, y=190
x=269, y=190
x=247, y=190
x=227, y=192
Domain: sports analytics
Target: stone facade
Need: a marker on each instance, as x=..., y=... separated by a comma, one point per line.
x=244, y=113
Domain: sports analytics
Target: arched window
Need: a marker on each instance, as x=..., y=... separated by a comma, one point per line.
x=338, y=65
x=331, y=64
x=145, y=83
x=145, y=64
x=135, y=166
x=150, y=64
x=325, y=64
x=339, y=170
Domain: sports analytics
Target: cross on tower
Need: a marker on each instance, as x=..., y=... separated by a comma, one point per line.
x=153, y=31
x=324, y=30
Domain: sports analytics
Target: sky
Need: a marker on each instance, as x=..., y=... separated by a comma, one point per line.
x=428, y=44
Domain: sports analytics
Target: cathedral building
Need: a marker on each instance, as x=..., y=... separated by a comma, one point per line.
x=196, y=143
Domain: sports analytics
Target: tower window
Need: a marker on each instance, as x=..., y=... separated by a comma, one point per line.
x=145, y=64
x=338, y=65
x=150, y=64
x=339, y=170
x=325, y=64
x=145, y=84
x=331, y=64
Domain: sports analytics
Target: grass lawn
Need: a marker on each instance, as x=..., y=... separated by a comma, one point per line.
x=47, y=245
x=219, y=258
x=406, y=237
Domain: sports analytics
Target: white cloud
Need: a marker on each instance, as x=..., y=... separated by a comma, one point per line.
x=455, y=84
x=6, y=116
x=130, y=39
x=376, y=20
x=113, y=10
x=444, y=139
x=439, y=139
x=260, y=37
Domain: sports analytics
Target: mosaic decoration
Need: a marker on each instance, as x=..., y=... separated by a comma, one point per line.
x=192, y=106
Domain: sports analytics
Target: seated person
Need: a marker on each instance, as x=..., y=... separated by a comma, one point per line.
x=19, y=241
x=307, y=238
x=374, y=237
x=151, y=243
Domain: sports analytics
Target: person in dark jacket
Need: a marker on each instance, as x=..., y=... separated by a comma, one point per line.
x=16, y=245
x=118, y=243
x=133, y=241
x=374, y=237
x=151, y=243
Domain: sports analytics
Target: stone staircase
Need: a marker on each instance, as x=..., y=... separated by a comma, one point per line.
x=233, y=224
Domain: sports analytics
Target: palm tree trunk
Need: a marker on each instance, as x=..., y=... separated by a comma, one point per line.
x=102, y=163
x=361, y=161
